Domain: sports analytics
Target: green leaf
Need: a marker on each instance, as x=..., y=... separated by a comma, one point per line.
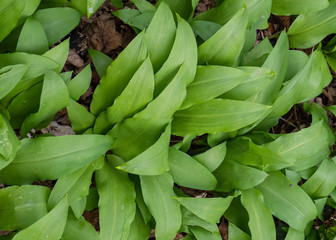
x=237, y=215
x=79, y=84
x=10, y=76
x=118, y=74
x=92, y=6
x=190, y=219
x=258, y=13
x=209, y=209
x=294, y=234
x=54, y=97
x=139, y=230
x=211, y=82
x=160, y=34
x=32, y=38
x=255, y=81
x=52, y=3
x=153, y=161
x=10, y=12
x=144, y=6
x=277, y=61
x=57, y=22
x=81, y=119
x=100, y=61
x=29, y=10
x=136, y=95
x=323, y=181
x=51, y=226
x=22, y=206
x=201, y=233
x=257, y=55
x=59, y=54
x=117, y=3
x=35, y=160
x=232, y=175
x=159, y=197
x=212, y=158
x=79, y=229
x=217, y=115
x=237, y=234
x=116, y=201
x=9, y=143
x=24, y=104
x=183, y=8
x=80, y=5
x=260, y=218
x=309, y=29
x=296, y=61
x=224, y=47
x=312, y=148
x=287, y=201
x=296, y=7
x=184, y=168
x=204, y=29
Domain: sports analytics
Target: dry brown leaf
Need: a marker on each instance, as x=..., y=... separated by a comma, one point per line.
x=74, y=59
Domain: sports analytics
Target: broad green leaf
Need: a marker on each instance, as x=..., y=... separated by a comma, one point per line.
x=32, y=38
x=236, y=233
x=126, y=14
x=277, y=61
x=256, y=80
x=305, y=85
x=320, y=204
x=294, y=234
x=183, y=52
x=9, y=143
x=59, y=54
x=258, y=13
x=331, y=58
x=183, y=8
x=201, y=233
x=79, y=229
x=232, y=175
x=260, y=218
x=81, y=119
x=117, y=3
x=296, y=7
x=296, y=61
x=136, y=95
x=57, y=22
x=22, y=206
x=139, y=230
x=159, y=197
x=51, y=226
x=144, y=6
x=54, y=97
x=10, y=12
x=153, y=161
x=243, y=150
x=211, y=82
x=323, y=181
x=212, y=158
x=92, y=199
x=257, y=55
x=79, y=84
x=287, y=201
x=141, y=22
x=217, y=115
x=136, y=134
x=190, y=219
x=224, y=47
x=237, y=215
x=118, y=74
x=311, y=148
x=116, y=201
x=52, y=3
x=10, y=76
x=204, y=29
x=29, y=10
x=37, y=65
x=309, y=29
x=24, y=104
x=184, y=168
x=76, y=185
x=92, y=6
x=100, y=61
x=160, y=34
x=209, y=209
x=80, y=5
x=36, y=160
x=78, y=207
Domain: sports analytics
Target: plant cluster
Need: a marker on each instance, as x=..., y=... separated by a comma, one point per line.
x=196, y=77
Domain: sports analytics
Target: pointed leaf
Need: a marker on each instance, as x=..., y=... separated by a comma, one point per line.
x=260, y=218
x=153, y=161
x=116, y=201
x=59, y=54
x=287, y=201
x=50, y=226
x=92, y=6
x=159, y=197
x=139, y=230
x=100, y=61
x=10, y=76
x=209, y=209
x=257, y=55
x=237, y=234
x=190, y=219
x=213, y=157
x=79, y=84
x=35, y=160
x=296, y=7
x=81, y=119
x=201, y=233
